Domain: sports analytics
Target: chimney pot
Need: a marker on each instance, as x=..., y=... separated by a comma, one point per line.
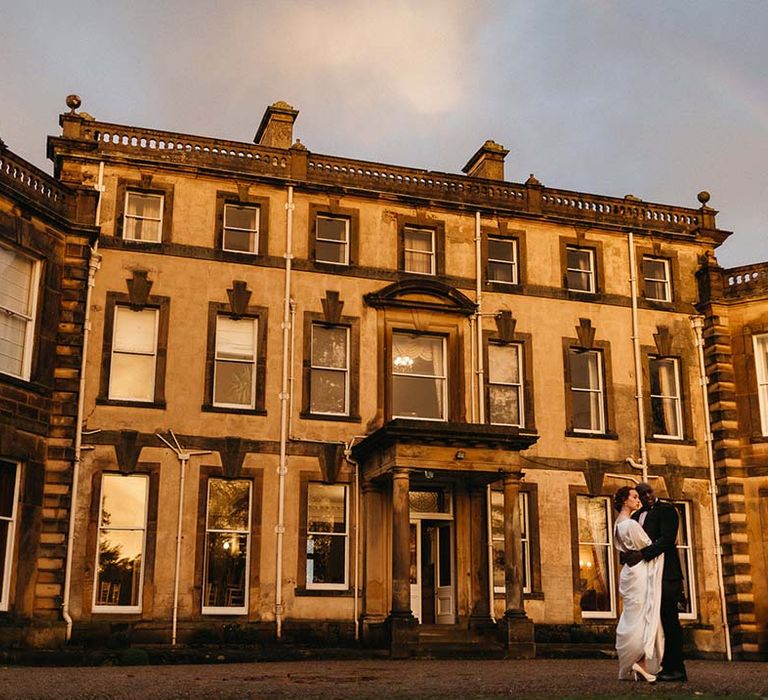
x=276, y=127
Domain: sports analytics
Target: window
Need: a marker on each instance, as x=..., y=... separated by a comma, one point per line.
x=760, y=343
x=502, y=260
x=241, y=228
x=134, y=355
x=587, y=400
x=656, y=279
x=19, y=276
x=497, y=539
x=687, y=606
x=329, y=380
x=580, y=269
x=332, y=239
x=122, y=543
x=143, y=217
x=419, y=249
x=505, y=385
x=227, y=546
x=9, y=496
x=666, y=414
x=327, y=536
x=595, y=584
x=419, y=382
x=234, y=374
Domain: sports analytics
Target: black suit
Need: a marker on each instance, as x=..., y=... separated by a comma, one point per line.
x=661, y=523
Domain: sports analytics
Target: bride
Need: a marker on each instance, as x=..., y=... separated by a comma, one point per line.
x=639, y=635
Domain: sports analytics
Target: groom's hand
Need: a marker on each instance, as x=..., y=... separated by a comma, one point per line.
x=631, y=558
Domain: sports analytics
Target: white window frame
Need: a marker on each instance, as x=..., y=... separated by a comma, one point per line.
x=255, y=231
x=590, y=272
x=677, y=397
x=519, y=385
x=29, y=318
x=330, y=586
x=254, y=362
x=97, y=608
x=761, y=374
x=611, y=567
x=512, y=262
x=345, y=370
x=231, y=610
x=443, y=377
x=431, y=252
x=525, y=535
x=345, y=242
x=686, y=550
x=115, y=351
x=127, y=216
x=665, y=281
x=600, y=391
x=11, y=538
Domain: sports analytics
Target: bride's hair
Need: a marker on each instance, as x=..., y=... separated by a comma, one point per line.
x=621, y=495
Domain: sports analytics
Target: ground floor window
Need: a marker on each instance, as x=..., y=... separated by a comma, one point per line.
x=9, y=496
x=327, y=536
x=687, y=605
x=595, y=551
x=497, y=539
x=227, y=545
x=122, y=543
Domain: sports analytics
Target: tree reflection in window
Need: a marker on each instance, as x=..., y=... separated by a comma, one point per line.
x=327, y=534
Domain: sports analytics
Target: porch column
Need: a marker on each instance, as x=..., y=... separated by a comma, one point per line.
x=517, y=628
x=401, y=550
x=480, y=605
x=403, y=626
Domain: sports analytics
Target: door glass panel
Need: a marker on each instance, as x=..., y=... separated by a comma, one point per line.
x=444, y=545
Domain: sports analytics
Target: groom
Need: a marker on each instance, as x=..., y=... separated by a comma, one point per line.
x=660, y=521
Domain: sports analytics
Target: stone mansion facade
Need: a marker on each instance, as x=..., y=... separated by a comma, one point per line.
x=317, y=398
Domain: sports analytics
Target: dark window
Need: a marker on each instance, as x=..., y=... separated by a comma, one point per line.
x=241, y=228
x=580, y=269
x=502, y=260
x=332, y=238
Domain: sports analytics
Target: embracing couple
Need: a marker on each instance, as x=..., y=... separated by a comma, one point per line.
x=649, y=639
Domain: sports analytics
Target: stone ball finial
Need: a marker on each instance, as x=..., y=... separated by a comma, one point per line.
x=703, y=197
x=73, y=102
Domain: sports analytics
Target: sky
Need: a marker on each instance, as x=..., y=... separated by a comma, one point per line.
x=660, y=99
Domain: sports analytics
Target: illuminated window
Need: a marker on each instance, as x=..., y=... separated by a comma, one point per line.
x=596, y=566
x=419, y=381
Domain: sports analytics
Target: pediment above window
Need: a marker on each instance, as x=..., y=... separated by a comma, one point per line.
x=422, y=294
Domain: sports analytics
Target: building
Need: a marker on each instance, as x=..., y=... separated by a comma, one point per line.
x=327, y=398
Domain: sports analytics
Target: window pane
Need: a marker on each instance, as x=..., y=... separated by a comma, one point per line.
x=13, y=332
x=593, y=521
x=503, y=364
x=15, y=282
x=417, y=354
x=142, y=230
x=501, y=272
x=326, y=559
x=233, y=383
x=594, y=578
x=7, y=489
x=123, y=500
x=501, y=250
x=418, y=240
x=499, y=562
x=417, y=397
x=326, y=508
x=665, y=416
x=418, y=262
x=132, y=377
x=134, y=330
x=332, y=229
x=241, y=217
x=585, y=372
x=329, y=347
x=241, y=241
x=225, y=572
x=228, y=504
x=119, y=567
x=328, y=391
x=586, y=410
x=504, y=404
x=5, y=527
x=326, y=251
x=655, y=290
x=654, y=269
x=235, y=339
x=579, y=259
x=144, y=205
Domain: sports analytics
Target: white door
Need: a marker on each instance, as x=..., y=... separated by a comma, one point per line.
x=444, y=589
x=415, y=547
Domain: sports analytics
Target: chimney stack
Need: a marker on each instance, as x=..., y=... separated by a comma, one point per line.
x=276, y=128
x=488, y=162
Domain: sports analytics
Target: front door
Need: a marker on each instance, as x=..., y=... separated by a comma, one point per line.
x=432, y=589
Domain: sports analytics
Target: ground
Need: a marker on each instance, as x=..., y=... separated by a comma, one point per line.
x=422, y=680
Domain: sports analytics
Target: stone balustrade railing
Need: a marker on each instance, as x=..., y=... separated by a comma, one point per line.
x=35, y=183
x=745, y=280
x=299, y=164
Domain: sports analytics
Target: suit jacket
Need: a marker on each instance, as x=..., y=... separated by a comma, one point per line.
x=661, y=525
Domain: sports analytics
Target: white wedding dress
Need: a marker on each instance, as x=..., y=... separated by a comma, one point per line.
x=639, y=633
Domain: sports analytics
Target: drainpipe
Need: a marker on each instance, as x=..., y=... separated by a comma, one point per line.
x=282, y=468
x=472, y=402
x=697, y=323
x=93, y=265
x=292, y=378
x=636, y=350
x=489, y=526
x=356, y=602
x=479, y=321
